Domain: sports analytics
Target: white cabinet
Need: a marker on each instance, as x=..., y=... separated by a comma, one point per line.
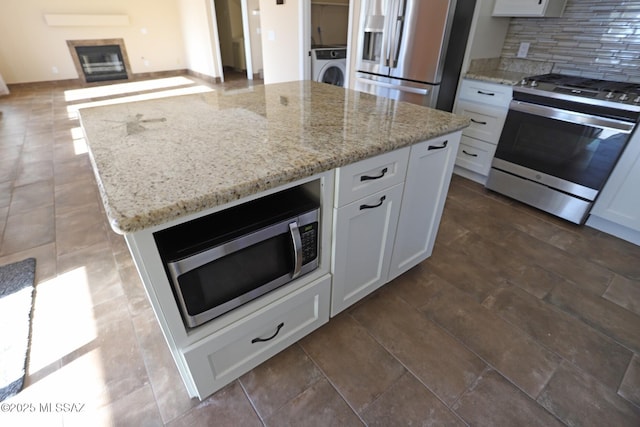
x=529, y=8
x=379, y=217
x=617, y=208
x=367, y=204
x=382, y=235
x=364, y=235
x=486, y=104
x=225, y=355
x=425, y=191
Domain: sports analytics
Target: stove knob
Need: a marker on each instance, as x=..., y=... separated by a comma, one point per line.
x=637, y=99
x=523, y=82
x=609, y=95
x=534, y=83
x=623, y=97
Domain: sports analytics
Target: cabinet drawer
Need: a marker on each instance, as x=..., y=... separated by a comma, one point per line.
x=475, y=155
x=224, y=356
x=486, y=121
x=368, y=176
x=486, y=93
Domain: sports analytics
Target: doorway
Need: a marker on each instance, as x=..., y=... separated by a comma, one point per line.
x=240, y=46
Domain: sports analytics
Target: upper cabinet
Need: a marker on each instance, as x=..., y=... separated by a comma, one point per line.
x=529, y=8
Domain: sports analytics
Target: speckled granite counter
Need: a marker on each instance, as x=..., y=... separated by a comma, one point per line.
x=497, y=76
x=158, y=160
x=506, y=71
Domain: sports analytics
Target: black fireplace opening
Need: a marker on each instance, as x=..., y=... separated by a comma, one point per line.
x=102, y=63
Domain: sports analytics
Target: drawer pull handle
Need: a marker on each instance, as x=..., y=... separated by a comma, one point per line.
x=486, y=93
x=382, y=199
x=369, y=178
x=469, y=154
x=255, y=340
x=438, y=147
x=478, y=122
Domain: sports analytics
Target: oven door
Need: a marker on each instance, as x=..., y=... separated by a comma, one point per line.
x=570, y=151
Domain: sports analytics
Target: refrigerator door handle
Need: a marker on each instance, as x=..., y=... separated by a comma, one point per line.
x=398, y=30
x=389, y=27
x=407, y=89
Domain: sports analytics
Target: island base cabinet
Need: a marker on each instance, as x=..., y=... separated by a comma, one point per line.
x=363, y=240
x=425, y=192
x=224, y=356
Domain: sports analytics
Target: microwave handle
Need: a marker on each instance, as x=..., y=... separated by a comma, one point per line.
x=297, y=248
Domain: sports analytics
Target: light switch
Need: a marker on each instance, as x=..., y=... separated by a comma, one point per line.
x=523, y=50
x=271, y=35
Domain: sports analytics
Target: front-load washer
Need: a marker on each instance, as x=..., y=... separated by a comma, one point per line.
x=328, y=65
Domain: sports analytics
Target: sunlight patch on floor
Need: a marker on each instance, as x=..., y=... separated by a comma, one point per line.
x=79, y=142
x=141, y=97
x=124, y=88
x=63, y=320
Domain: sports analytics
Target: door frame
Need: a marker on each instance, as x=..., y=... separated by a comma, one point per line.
x=248, y=53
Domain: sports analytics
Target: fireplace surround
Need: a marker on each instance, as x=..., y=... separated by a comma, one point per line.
x=100, y=60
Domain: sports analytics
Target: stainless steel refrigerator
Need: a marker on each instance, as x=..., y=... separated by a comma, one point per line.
x=412, y=50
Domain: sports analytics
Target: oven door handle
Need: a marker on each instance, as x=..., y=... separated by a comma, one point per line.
x=297, y=249
x=571, y=116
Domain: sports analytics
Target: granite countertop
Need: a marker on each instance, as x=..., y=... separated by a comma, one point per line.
x=160, y=159
x=503, y=77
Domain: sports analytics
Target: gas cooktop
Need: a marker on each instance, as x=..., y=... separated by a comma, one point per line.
x=582, y=89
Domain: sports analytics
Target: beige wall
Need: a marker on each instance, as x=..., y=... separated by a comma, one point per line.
x=198, y=34
x=488, y=32
x=29, y=48
x=281, y=52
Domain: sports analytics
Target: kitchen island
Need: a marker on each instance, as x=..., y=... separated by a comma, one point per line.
x=166, y=162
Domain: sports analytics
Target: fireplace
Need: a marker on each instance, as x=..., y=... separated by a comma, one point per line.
x=100, y=60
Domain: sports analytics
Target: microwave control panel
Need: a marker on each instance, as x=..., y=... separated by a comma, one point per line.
x=309, y=237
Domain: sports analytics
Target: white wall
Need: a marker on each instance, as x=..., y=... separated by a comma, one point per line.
x=281, y=38
x=198, y=32
x=488, y=32
x=29, y=48
x=255, y=37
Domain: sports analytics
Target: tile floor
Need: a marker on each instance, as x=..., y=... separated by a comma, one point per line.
x=517, y=319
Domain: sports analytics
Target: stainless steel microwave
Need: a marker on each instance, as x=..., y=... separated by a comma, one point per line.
x=221, y=261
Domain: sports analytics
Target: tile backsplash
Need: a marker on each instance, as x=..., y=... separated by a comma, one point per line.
x=594, y=38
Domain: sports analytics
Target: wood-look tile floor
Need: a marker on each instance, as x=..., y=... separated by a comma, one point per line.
x=518, y=318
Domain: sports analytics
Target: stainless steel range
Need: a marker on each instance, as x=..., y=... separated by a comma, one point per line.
x=562, y=138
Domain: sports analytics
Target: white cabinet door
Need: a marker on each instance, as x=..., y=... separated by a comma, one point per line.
x=532, y=8
x=425, y=191
x=619, y=201
x=364, y=232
